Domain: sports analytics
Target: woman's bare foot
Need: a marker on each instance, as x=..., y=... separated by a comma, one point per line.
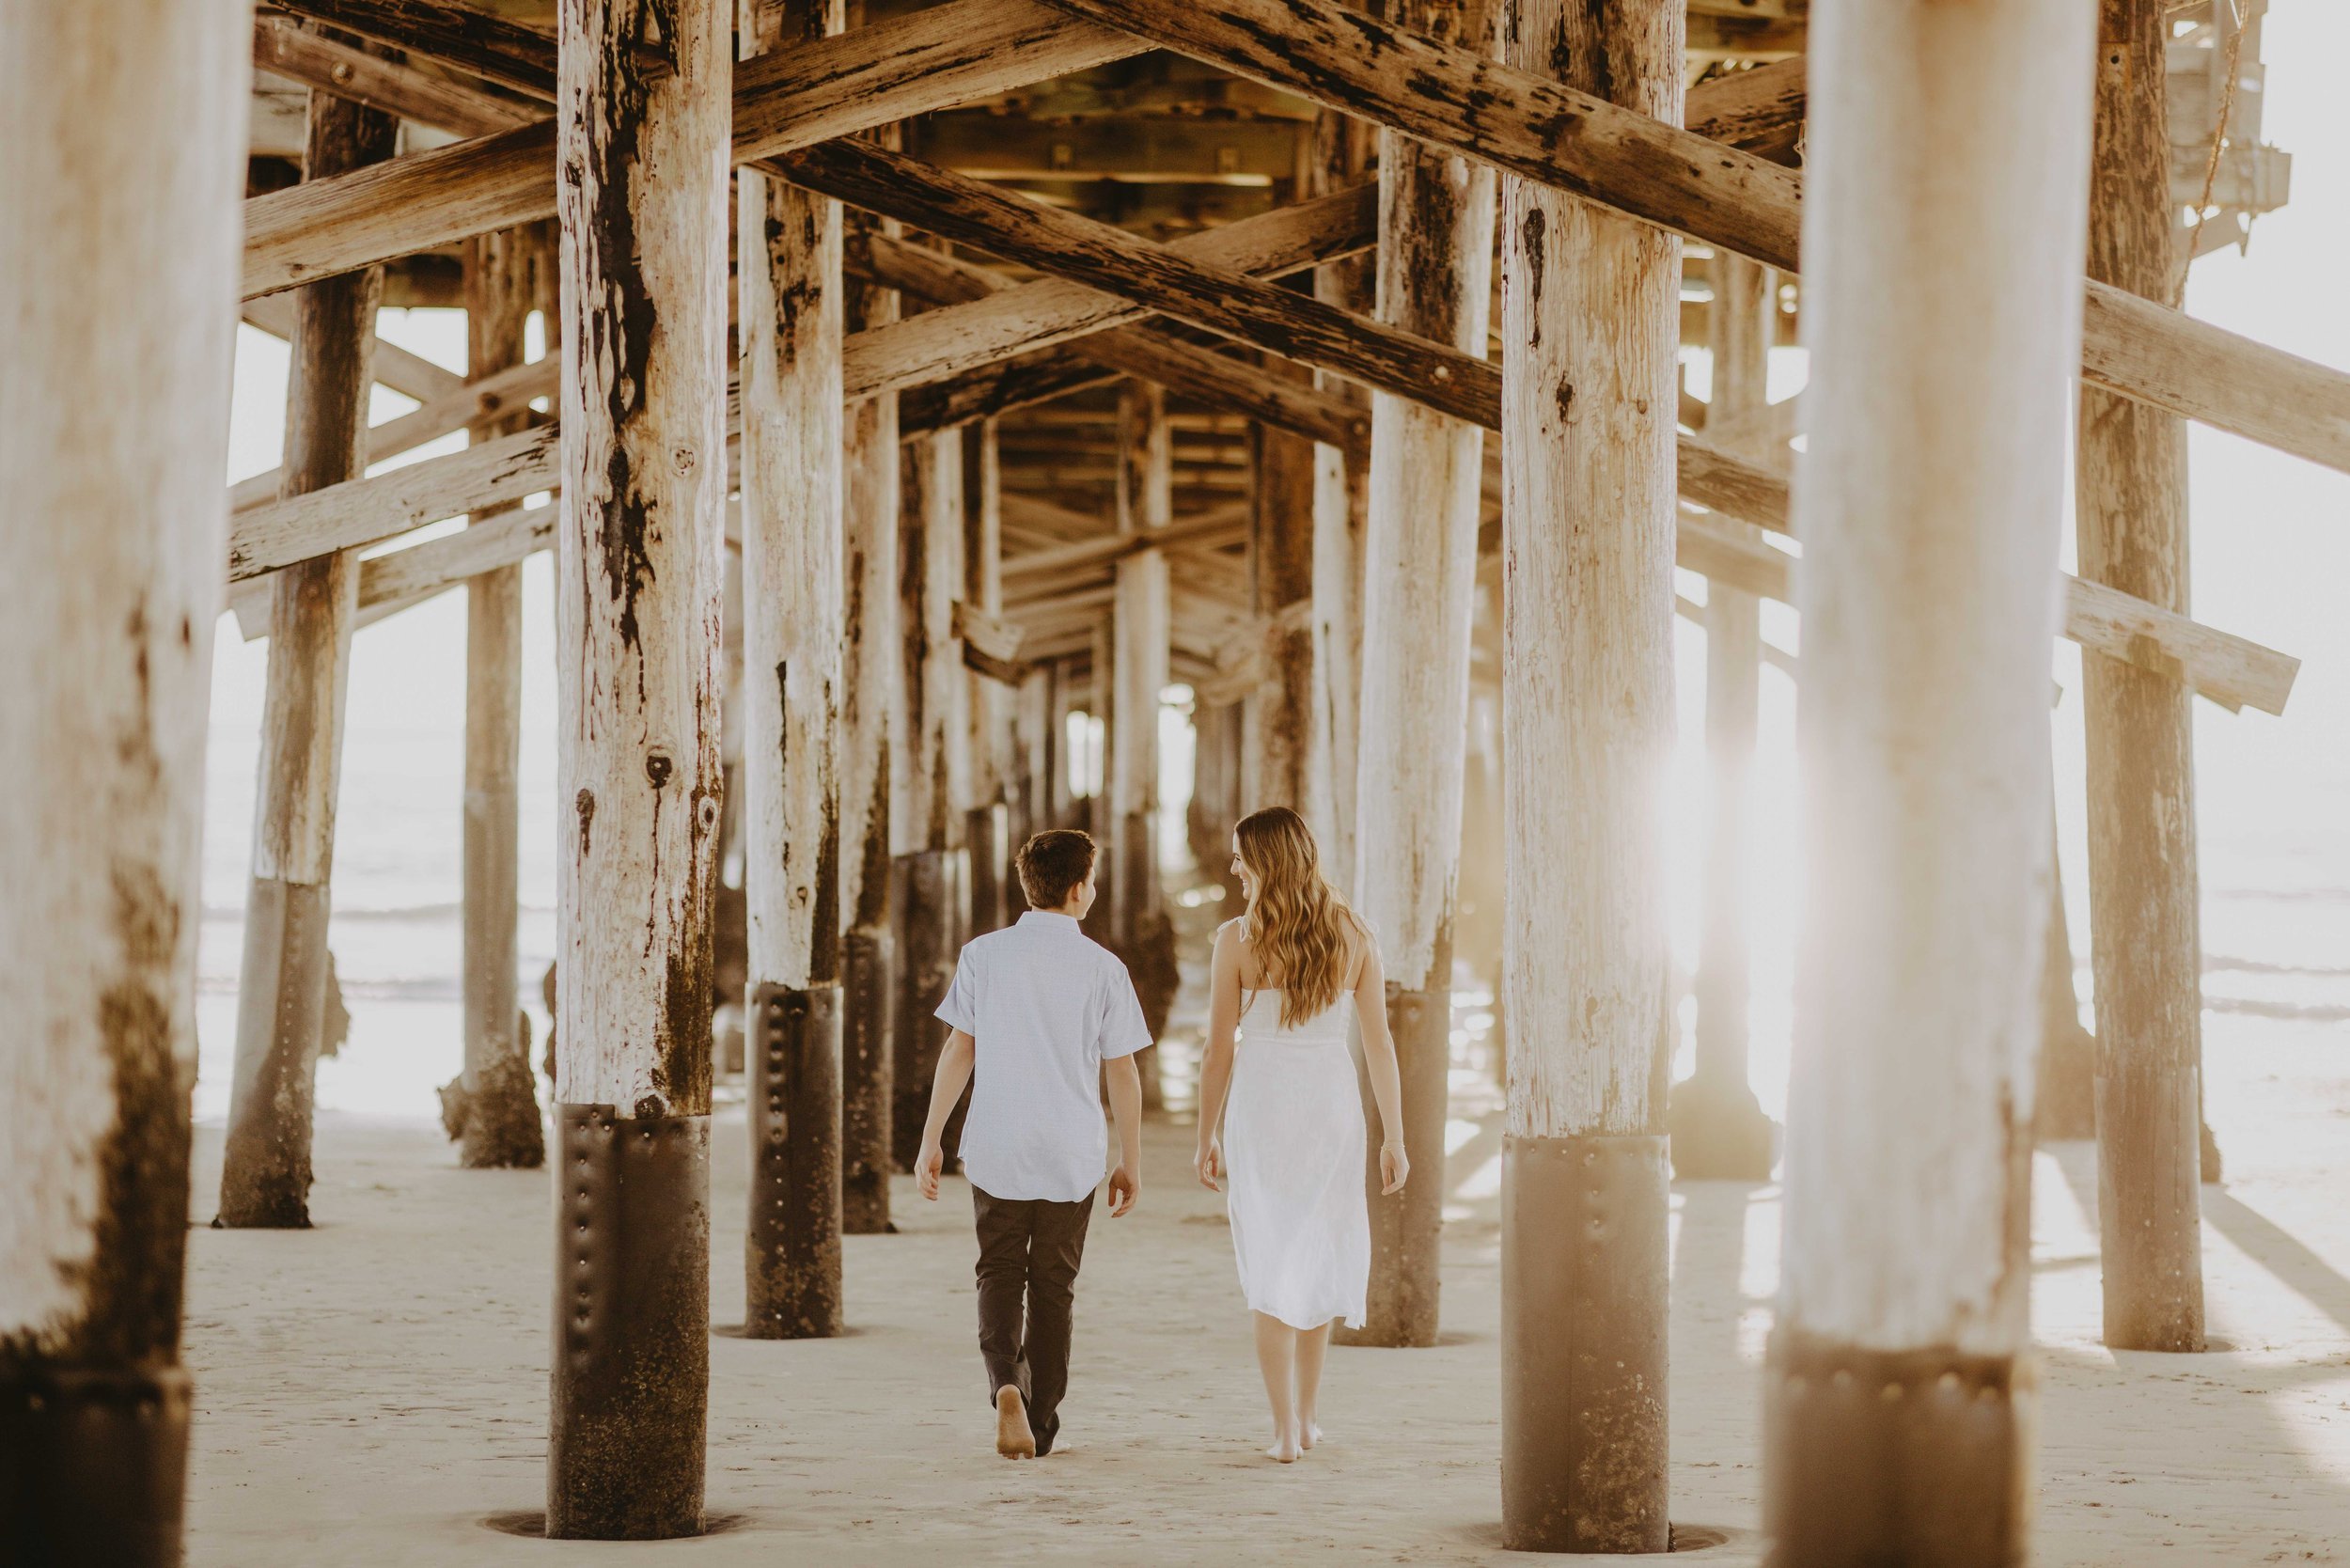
x=1285, y=1447
x=1013, y=1438
x=1309, y=1434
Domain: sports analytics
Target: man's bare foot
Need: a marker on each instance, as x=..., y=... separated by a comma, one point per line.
x=1285, y=1448
x=1013, y=1439
x=1309, y=1434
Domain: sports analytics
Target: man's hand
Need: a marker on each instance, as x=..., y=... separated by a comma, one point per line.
x=1393, y=1167
x=927, y=1165
x=1124, y=1189
x=1209, y=1164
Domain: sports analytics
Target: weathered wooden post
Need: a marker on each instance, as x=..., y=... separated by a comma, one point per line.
x=872, y=718
x=1279, y=713
x=788, y=272
x=1342, y=509
x=121, y=256
x=2145, y=945
x=642, y=121
x=1591, y=323
x=498, y=1094
x=1718, y=1130
x=281, y=991
x=1436, y=278
x=928, y=771
x=989, y=703
x=1942, y=318
x=1139, y=627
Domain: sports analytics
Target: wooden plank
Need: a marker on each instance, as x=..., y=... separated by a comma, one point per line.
x=1186, y=279
x=466, y=406
x=1049, y=311
x=479, y=42
x=928, y=60
x=361, y=511
x=411, y=375
x=1681, y=180
x=1149, y=351
x=326, y=66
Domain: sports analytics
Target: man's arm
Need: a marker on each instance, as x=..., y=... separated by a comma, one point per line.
x=947, y=1086
x=1125, y=1082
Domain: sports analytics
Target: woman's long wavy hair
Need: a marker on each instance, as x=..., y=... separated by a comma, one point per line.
x=1298, y=924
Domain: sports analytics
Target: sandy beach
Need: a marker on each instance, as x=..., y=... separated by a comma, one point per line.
x=372, y=1391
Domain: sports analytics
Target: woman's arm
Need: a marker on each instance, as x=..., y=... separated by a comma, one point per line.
x=1215, y=1068
x=1386, y=1083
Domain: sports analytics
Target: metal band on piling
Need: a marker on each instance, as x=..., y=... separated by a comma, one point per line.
x=625, y=1449
x=96, y=1467
x=791, y=1248
x=1584, y=1288
x=868, y=1076
x=1923, y=1449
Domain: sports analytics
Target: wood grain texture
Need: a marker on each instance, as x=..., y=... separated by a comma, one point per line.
x=788, y=272
x=1049, y=311
x=1680, y=180
x=932, y=59
x=360, y=511
x=476, y=42
x=1141, y=617
x=1591, y=328
x=2130, y=511
x=500, y=1118
x=129, y=122
x=929, y=775
x=1941, y=330
x=638, y=572
x=328, y=66
x=1420, y=545
x=1343, y=150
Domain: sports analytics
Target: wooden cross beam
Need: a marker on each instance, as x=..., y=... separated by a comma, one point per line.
x=1527, y=125
x=481, y=45
x=1150, y=352
x=286, y=50
x=835, y=87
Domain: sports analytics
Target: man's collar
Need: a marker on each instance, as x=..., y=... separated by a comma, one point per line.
x=1048, y=916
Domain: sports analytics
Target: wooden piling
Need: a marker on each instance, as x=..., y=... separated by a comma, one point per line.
x=1342, y=146
x=1899, y=1390
x=929, y=771
x=1279, y=713
x=641, y=136
x=1141, y=624
x=788, y=273
x=498, y=1094
x=127, y=126
x=1590, y=324
x=281, y=991
x=989, y=701
x=1434, y=280
x=2145, y=945
x=872, y=722
x=1718, y=1129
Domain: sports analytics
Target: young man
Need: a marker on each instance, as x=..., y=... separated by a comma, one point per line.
x=1037, y=1009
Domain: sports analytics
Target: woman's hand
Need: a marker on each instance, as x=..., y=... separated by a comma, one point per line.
x=1394, y=1169
x=1209, y=1164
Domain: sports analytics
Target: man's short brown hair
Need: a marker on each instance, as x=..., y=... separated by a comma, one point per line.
x=1053, y=864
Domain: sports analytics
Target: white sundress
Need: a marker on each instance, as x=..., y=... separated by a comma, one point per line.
x=1293, y=1142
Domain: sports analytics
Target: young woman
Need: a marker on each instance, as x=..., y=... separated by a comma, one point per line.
x=1296, y=965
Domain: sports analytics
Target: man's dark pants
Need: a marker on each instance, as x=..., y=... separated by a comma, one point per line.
x=1029, y=1249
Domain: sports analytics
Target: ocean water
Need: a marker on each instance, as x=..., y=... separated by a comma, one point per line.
x=2271, y=552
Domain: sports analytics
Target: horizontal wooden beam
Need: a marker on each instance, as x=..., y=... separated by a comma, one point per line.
x=928, y=60
x=326, y=66
x=468, y=405
x=362, y=512
x=1182, y=280
x=476, y=42
x=936, y=344
x=1150, y=352
x=1527, y=125
x=411, y=375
